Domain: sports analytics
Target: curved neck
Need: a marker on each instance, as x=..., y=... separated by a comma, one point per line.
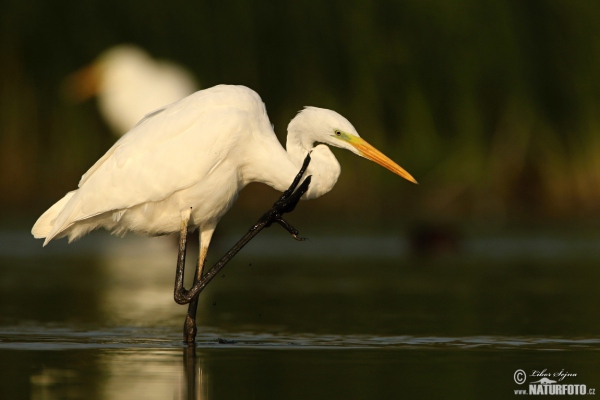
x=324, y=167
x=277, y=167
x=298, y=145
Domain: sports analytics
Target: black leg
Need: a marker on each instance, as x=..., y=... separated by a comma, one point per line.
x=181, y=255
x=285, y=204
x=189, y=326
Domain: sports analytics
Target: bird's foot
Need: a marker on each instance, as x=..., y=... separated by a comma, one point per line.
x=287, y=203
x=289, y=192
x=293, y=231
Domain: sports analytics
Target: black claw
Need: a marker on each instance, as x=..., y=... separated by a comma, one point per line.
x=295, y=197
x=296, y=180
x=293, y=231
x=300, y=239
x=288, y=200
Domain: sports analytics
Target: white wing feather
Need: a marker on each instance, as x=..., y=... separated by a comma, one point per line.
x=169, y=150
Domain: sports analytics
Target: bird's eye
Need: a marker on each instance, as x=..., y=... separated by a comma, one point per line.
x=338, y=133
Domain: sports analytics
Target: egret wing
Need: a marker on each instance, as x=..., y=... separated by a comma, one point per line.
x=166, y=152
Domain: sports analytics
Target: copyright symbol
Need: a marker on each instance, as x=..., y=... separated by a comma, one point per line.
x=520, y=376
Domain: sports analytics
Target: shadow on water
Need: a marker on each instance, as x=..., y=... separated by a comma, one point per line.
x=101, y=324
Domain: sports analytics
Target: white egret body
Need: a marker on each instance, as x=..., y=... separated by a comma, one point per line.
x=199, y=153
x=129, y=84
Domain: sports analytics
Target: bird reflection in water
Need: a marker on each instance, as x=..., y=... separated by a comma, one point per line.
x=195, y=384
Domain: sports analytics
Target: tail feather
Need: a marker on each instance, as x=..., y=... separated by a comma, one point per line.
x=45, y=223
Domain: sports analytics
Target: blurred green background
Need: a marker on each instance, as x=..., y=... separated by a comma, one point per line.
x=492, y=106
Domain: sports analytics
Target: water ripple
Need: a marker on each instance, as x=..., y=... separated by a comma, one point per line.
x=31, y=337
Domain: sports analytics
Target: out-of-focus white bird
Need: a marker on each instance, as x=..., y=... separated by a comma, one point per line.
x=129, y=84
x=198, y=153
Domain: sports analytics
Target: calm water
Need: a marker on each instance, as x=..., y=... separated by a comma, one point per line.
x=287, y=320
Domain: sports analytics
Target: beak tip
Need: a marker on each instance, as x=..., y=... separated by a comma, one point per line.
x=371, y=153
x=410, y=179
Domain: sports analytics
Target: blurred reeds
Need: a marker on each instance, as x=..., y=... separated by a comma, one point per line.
x=493, y=106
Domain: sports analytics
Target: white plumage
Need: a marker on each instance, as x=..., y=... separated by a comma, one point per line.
x=130, y=83
x=198, y=153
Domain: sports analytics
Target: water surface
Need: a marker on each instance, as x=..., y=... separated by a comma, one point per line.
x=98, y=321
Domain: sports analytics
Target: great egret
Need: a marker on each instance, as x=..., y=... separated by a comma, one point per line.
x=129, y=84
x=182, y=167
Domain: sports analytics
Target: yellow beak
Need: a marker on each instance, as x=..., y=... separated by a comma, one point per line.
x=83, y=84
x=371, y=153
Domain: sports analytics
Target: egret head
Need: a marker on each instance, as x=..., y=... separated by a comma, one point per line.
x=327, y=126
x=119, y=63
